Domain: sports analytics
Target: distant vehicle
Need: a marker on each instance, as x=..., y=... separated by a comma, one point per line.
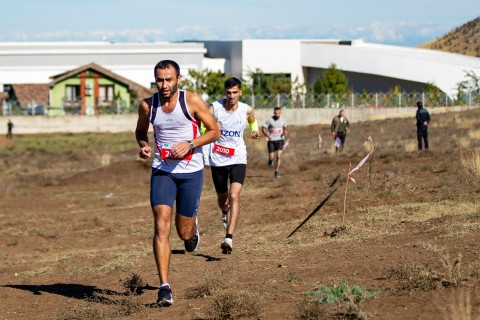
x=37, y=110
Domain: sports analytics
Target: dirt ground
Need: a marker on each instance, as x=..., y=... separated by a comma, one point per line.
x=76, y=232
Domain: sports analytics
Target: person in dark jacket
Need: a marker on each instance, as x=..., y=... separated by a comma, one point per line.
x=423, y=119
x=339, y=128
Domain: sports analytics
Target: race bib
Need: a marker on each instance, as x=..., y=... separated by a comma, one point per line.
x=167, y=151
x=223, y=150
x=276, y=130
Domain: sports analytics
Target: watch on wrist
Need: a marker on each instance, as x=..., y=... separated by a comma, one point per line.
x=191, y=145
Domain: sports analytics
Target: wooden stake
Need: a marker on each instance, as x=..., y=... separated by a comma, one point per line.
x=345, y=197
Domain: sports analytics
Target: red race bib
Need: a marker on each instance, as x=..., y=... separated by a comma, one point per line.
x=167, y=151
x=229, y=152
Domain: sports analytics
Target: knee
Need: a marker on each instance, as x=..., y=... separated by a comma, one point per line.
x=234, y=197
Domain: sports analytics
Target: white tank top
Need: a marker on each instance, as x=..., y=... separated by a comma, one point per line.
x=171, y=128
x=230, y=147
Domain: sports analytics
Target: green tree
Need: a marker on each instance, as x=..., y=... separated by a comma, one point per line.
x=205, y=82
x=332, y=81
x=270, y=83
x=433, y=94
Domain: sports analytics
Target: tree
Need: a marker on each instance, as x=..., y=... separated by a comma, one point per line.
x=332, y=81
x=205, y=82
x=433, y=94
x=277, y=83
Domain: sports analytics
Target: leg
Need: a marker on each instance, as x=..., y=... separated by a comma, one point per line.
x=189, y=189
x=234, y=197
x=425, y=137
x=161, y=240
x=222, y=200
x=419, y=138
x=271, y=153
x=279, y=159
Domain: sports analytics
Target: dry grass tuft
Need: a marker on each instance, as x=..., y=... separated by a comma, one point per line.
x=133, y=284
x=453, y=276
x=474, y=134
x=411, y=146
x=81, y=311
x=458, y=306
x=235, y=304
x=311, y=311
x=471, y=162
x=463, y=143
x=413, y=277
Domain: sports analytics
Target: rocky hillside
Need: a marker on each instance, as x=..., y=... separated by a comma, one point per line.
x=463, y=40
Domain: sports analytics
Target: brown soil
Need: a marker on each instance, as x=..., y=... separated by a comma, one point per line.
x=74, y=231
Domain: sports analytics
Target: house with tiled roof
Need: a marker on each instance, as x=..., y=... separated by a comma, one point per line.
x=93, y=89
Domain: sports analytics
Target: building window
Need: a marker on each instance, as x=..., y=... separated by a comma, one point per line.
x=105, y=93
x=72, y=93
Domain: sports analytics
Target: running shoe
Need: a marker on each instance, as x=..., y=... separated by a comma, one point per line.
x=270, y=163
x=165, y=297
x=227, y=246
x=277, y=174
x=192, y=244
x=225, y=217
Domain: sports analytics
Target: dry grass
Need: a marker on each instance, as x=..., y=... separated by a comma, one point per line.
x=458, y=306
x=235, y=304
x=81, y=311
x=410, y=146
x=464, y=143
x=471, y=162
x=311, y=311
x=474, y=134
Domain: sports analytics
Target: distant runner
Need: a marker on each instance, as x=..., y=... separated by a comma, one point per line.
x=340, y=127
x=275, y=129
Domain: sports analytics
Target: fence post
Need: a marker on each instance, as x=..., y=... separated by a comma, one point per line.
x=469, y=98
x=399, y=99
x=328, y=100
x=423, y=98
x=253, y=100
x=376, y=99
x=118, y=106
x=303, y=101
x=353, y=100
x=446, y=100
x=278, y=100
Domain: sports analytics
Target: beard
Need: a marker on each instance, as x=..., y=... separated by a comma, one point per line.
x=170, y=93
x=275, y=117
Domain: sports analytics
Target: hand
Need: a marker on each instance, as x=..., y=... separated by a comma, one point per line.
x=255, y=135
x=145, y=152
x=334, y=134
x=179, y=150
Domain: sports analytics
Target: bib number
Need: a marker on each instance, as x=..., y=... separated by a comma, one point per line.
x=166, y=153
x=229, y=152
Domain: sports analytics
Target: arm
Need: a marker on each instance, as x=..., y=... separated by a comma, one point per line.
x=285, y=132
x=265, y=132
x=141, y=132
x=333, y=129
x=198, y=108
x=252, y=122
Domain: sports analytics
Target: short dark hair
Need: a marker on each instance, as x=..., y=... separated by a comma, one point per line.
x=165, y=64
x=277, y=108
x=233, y=82
x=419, y=104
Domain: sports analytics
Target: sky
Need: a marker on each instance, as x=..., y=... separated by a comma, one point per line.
x=405, y=23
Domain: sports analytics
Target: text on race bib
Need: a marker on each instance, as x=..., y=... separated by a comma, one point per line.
x=223, y=150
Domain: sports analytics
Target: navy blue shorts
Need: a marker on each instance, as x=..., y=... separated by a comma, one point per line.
x=185, y=188
x=234, y=172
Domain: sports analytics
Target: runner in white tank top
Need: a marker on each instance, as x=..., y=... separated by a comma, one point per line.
x=228, y=155
x=177, y=169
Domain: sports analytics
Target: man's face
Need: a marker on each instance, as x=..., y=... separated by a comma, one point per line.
x=233, y=95
x=166, y=81
x=276, y=113
x=342, y=113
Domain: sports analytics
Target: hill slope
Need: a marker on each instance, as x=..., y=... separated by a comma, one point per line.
x=463, y=40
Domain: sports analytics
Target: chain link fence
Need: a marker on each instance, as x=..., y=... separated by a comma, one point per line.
x=352, y=100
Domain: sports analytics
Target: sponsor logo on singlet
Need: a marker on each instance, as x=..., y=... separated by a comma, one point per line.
x=228, y=133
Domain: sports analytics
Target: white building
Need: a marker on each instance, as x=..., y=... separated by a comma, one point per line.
x=367, y=66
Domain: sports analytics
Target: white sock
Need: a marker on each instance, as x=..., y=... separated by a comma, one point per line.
x=164, y=286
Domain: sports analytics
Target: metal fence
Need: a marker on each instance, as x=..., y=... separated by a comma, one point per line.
x=353, y=100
